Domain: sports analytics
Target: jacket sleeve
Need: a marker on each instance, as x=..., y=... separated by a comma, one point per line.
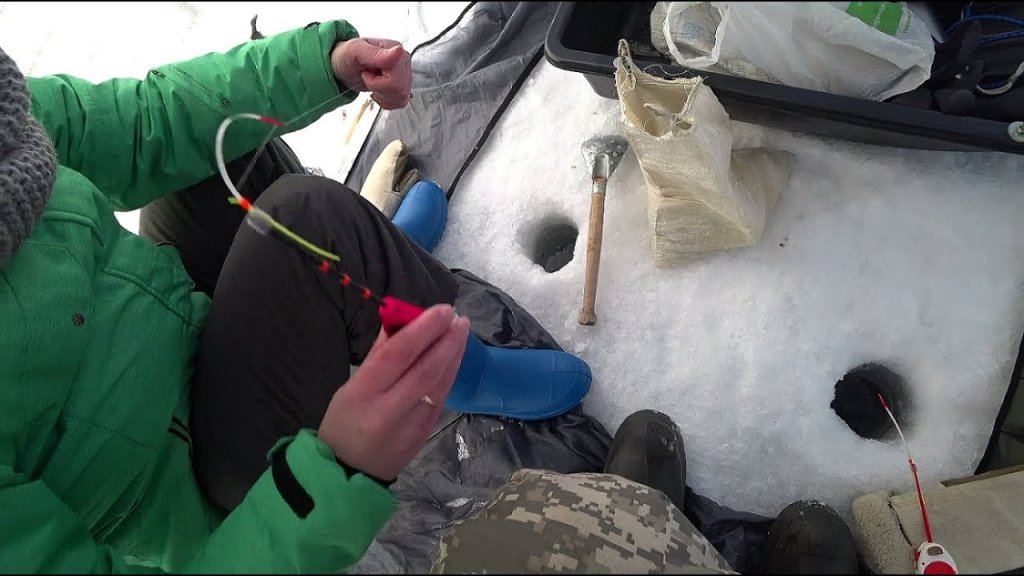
x=138, y=140
x=265, y=534
x=304, y=515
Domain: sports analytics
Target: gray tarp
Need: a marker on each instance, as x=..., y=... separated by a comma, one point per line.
x=463, y=82
x=468, y=73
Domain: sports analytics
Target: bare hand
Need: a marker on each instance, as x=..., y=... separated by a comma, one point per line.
x=378, y=421
x=381, y=66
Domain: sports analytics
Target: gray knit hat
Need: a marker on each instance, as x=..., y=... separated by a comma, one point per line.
x=27, y=165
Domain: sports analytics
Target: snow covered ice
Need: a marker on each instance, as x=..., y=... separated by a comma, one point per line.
x=872, y=254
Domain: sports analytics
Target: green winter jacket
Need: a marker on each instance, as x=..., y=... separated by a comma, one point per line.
x=98, y=330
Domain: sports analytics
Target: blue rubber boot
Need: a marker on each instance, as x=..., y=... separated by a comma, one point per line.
x=518, y=383
x=423, y=214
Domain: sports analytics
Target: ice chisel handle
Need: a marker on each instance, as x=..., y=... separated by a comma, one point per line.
x=588, y=317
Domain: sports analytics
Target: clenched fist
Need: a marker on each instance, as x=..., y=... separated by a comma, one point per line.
x=381, y=66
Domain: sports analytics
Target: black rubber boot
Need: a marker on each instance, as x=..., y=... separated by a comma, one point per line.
x=648, y=448
x=808, y=537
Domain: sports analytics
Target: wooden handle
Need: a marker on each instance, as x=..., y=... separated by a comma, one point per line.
x=588, y=317
x=355, y=121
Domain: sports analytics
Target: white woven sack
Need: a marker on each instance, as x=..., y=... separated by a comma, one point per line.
x=702, y=196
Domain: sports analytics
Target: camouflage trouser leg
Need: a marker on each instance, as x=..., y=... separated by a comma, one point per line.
x=591, y=523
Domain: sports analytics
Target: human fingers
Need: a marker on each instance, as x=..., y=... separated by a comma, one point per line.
x=382, y=337
x=426, y=416
x=377, y=57
x=433, y=373
x=391, y=88
x=383, y=42
x=395, y=103
x=389, y=361
x=444, y=386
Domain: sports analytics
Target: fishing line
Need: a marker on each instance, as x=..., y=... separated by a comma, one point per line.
x=913, y=470
x=394, y=313
x=930, y=557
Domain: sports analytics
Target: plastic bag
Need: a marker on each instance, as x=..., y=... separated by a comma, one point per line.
x=872, y=50
x=701, y=196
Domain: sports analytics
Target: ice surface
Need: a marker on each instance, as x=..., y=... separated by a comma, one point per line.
x=872, y=254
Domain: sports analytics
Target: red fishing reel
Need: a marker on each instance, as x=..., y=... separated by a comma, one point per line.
x=933, y=558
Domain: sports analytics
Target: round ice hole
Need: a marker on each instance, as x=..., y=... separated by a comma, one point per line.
x=856, y=401
x=554, y=245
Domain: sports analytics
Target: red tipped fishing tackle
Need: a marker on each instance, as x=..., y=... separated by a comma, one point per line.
x=394, y=313
x=930, y=557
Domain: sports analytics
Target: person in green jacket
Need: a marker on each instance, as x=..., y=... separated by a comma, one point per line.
x=99, y=328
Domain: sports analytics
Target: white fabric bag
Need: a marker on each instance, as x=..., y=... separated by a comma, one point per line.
x=701, y=195
x=872, y=50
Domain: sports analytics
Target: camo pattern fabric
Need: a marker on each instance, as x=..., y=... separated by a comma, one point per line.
x=582, y=523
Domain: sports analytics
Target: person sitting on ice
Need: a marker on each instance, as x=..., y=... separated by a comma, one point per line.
x=147, y=426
